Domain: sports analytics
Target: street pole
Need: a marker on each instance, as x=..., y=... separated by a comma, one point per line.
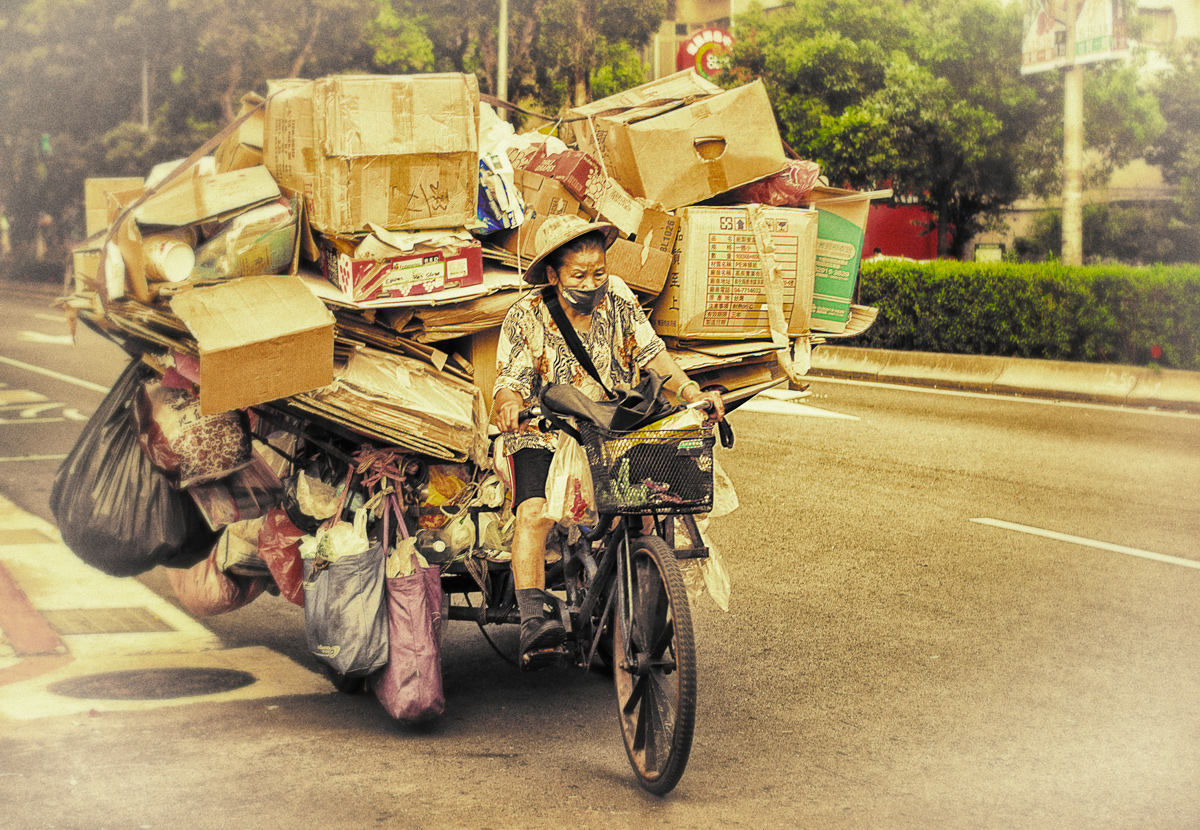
x=502, y=57
x=145, y=93
x=1072, y=194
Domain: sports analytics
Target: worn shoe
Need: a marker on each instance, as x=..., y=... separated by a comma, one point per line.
x=541, y=643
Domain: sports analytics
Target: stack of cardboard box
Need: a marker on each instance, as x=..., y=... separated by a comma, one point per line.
x=342, y=270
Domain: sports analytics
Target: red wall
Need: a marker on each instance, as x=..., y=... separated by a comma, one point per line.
x=900, y=231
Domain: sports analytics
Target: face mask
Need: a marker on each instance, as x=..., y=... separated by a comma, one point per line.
x=585, y=302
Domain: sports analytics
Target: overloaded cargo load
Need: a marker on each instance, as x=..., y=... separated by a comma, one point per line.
x=323, y=298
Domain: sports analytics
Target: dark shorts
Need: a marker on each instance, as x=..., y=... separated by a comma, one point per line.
x=530, y=467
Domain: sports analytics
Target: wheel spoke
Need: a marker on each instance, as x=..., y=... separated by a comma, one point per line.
x=649, y=605
x=636, y=694
x=651, y=729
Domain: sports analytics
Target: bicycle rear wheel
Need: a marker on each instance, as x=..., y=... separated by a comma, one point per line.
x=656, y=686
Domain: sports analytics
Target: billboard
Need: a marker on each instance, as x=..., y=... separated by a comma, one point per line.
x=1099, y=33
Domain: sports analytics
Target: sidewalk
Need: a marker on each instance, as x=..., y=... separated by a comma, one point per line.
x=62, y=621
x=1137, y=386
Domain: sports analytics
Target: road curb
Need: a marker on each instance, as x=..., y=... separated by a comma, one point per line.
x=1139, y=386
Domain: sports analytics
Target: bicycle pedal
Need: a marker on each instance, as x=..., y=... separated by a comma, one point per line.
x=543, y=658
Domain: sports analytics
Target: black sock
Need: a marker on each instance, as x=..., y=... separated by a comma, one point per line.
x=531, y=603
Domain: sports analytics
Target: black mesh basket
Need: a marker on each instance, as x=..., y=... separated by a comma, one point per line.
x=651, y=471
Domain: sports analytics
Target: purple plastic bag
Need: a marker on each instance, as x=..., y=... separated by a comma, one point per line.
x=410, y=686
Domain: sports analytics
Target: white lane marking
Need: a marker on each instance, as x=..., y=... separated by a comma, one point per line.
x=50, y=373
x=53, y=318
x=775, y=407
x=993, y=396
x=6, y=459
x=1091, y=543
x=42, y=337
x=15, y=398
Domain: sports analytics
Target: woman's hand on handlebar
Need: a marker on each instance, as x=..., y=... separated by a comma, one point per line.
x=507, y=410
x=711, y=402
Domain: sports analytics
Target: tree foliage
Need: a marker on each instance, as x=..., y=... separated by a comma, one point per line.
x=926, y=97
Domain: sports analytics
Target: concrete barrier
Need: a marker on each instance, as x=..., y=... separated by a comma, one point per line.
x=1055, y=379
x=848, y=362
x=942, y=371
x=1167, y=389
x=1097, y=382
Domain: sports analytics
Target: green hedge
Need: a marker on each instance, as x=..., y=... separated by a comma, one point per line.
x=1101, y=313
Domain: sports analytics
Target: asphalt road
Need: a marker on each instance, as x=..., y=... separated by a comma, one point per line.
x=886, y=660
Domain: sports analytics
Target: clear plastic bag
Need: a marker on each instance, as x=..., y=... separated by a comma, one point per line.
x=569, y=493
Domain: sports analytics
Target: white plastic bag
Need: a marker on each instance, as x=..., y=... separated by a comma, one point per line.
x=569, y=493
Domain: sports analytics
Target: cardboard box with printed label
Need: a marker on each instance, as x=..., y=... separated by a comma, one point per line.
x=401, y=151
x=841, y=230
x=260, y=339
x=717, y=286
x=95, y=199
x=369, y=268
x=683, y=155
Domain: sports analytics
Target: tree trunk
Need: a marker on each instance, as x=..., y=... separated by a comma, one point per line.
x=306, y=52
x=228, y=112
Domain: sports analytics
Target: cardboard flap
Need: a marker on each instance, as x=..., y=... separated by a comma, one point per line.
x=248, y=310
x=205, y=197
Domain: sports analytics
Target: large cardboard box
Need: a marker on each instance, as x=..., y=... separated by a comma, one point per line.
x=367, y=268
x=400, y=151
x=650, y=99
x=717, y=286
x=260, y=338
x=95, y=199
x=841, y=229
x=686, y=154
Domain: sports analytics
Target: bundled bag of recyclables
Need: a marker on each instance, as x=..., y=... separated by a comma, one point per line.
x=206, y=590
x=116, y=510
x=345, y=618
x=190, y=447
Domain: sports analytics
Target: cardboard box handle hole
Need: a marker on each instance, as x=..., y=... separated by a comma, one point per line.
x=711, y=148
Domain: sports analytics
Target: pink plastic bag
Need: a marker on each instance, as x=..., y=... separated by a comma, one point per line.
x=279, y=547
x=206, y=590
x=787, y=188
x=410, y=686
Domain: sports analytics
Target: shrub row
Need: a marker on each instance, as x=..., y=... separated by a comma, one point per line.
x=1098, y=313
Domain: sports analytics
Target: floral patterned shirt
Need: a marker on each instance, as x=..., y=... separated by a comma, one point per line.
x=532, y=352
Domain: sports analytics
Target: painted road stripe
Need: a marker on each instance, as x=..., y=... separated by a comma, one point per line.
x=774, y=407
x=787, y=402
x=6, y=459
x=50, y=373
x=993, y=396
x=42, y=337
x=1091, y=543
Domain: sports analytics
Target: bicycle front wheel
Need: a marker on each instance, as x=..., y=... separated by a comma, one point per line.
x=656, y=683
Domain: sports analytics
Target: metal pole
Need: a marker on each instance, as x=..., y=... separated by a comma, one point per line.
x=145, y=93
x=1072, y=194
x=502, y=57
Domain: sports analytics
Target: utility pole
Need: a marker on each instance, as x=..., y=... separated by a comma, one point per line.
x=145, y=93
x=1072, y=194
x=502, y=56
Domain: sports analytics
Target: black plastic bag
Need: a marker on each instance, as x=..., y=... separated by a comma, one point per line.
x=116, y=510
